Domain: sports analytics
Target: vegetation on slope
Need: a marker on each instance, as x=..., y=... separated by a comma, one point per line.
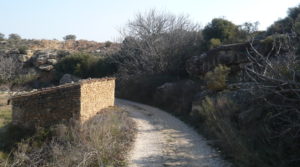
x=85, y=65
x=104, y=140
x=253, y=112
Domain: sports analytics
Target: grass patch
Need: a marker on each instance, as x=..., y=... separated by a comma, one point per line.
x=5, y=117
x=5, y=111
x=23, y=79
x=102, y=141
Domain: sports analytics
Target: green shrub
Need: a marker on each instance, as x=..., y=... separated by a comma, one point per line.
x=23, y=49
x=216, y=79
x=70, y=37
x=14, y=37
x=85, y=65
x=141, y=88
x=221, y=29
x=107, y=44
x=77, y=64
x=103, y=67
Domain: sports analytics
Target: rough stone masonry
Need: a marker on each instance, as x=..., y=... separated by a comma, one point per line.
x=79, y=101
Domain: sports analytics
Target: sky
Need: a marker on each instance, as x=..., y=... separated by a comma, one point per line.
x=101, y=20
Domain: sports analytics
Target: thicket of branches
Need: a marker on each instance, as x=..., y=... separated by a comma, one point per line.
x=277, y=78
x=10, y=67
x=158, y=43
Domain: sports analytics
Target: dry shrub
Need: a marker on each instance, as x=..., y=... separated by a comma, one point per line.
x=217, y=117
x=216, y=79
x=101, y=141
x=9, y=67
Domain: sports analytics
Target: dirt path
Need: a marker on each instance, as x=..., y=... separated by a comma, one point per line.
x=165, y=141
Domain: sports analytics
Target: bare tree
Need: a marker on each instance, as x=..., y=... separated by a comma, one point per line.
x=157, y=43
x=9, y=67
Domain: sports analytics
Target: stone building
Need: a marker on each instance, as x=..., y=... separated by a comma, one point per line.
x=79, y=101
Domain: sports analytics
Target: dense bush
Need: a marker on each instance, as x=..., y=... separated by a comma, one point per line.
x=70, y=37
x=85, y=65
x=141, y=87
x=107, y=44
x=224, y=30
x=23, y=49
x=14, y=37
x=77, y=64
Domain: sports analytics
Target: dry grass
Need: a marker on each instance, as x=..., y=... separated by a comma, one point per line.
x=102, y=141
x=5, y=110
x=5, y=118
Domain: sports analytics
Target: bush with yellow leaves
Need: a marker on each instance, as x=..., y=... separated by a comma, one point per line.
x=216, y=79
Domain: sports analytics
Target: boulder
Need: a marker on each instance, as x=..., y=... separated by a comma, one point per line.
x=23, y=58
x=29, y=53
x=68, y=78
x=53, y=56
x=40, y=60
x=52, y=61
x=3, y=42
x=42, y=57
x=46, y=67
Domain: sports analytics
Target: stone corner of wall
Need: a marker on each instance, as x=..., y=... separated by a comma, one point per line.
x=93, y=80
x=48, y=106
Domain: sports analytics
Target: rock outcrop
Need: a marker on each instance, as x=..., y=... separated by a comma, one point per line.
x=68, y=78
x=233, y=56
x=43, y=60
x=46, y=59
x=238, y=95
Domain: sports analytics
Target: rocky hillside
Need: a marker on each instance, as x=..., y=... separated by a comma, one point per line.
x=34, y=60
x=44, y=54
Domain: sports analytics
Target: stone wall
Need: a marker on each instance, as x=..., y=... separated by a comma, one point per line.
x=49, y=106
x=95, y=96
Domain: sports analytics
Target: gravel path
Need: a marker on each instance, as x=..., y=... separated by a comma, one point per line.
x=164, y=141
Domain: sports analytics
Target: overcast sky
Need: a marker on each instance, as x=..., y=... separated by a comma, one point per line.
x=100, y=20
